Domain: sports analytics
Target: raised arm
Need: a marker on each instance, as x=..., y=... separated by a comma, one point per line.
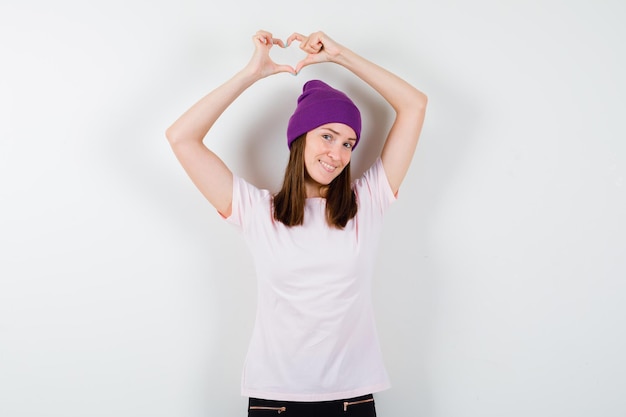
x=408, y=102
x=186, y=135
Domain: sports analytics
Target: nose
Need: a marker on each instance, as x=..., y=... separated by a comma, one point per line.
x=334, y=150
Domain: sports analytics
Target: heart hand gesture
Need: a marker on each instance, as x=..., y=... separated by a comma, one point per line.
x=318, y=46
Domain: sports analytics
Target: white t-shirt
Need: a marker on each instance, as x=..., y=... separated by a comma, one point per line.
x=314, y=338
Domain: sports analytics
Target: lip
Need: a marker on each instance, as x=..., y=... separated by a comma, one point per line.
x=327, y=167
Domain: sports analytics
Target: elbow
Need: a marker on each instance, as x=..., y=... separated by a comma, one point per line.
x=172, y=136
x=418, y=104
x=178, y=134
x=414, y=101
x=420, y=101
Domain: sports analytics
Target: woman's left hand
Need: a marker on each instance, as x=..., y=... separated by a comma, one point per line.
x=318, y=46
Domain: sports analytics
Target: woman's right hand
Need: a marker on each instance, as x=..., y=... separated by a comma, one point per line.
x=261, y=64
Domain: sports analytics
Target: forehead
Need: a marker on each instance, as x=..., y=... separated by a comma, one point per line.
x=339, y=129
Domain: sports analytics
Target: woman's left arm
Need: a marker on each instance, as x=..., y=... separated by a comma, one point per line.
x=408, y=102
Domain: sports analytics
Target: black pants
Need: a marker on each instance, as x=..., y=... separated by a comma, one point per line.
x=353, y=407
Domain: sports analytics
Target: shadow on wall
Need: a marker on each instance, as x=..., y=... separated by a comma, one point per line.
x=263, y=148
x=408, y=298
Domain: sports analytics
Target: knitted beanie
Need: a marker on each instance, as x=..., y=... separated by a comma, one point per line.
x=319, y=104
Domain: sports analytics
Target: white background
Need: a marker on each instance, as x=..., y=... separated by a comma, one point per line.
x=500, y=286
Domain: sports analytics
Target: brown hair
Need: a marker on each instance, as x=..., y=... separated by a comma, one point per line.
x=289, y=202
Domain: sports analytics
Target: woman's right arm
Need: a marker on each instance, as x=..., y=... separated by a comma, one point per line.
x=207, y=171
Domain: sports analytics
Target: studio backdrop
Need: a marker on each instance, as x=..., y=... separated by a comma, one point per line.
x=500, y=280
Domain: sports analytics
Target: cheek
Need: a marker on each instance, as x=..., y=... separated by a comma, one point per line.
x=347, y=157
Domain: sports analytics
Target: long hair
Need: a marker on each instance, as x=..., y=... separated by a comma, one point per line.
x=288, y=203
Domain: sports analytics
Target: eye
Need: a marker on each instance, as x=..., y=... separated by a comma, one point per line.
x=348, y=145
x=326, y=136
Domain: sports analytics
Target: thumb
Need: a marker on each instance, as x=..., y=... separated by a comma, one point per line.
x=286, y=68
x=306, y=61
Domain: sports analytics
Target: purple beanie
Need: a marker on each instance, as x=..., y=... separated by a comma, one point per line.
x=319, y=104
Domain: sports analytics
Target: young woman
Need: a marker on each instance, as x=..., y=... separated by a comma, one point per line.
x=314, y=349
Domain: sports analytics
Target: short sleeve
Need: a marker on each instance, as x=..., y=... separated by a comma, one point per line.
x=245, y=198
x=374, y=186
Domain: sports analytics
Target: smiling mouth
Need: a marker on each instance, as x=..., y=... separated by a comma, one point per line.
x=327, y=167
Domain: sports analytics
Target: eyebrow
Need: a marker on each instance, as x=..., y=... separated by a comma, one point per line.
x=337, y=133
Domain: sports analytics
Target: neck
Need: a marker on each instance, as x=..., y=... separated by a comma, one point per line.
x=315, y=190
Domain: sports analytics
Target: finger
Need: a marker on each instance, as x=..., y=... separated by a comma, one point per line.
x=264, y=37
x=312, y=49
x=286, y=68
x=313, y=44
x=259, y=39
x=299, y=66
x=317, y=47
x=278, y=42
x=295, y=37
x=305, y=62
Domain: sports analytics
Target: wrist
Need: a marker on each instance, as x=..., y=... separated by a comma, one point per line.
x=341, y=56
x=249, y=75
